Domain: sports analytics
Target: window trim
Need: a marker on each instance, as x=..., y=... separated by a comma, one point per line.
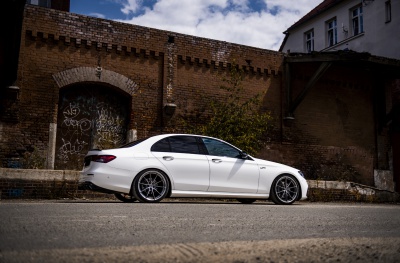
x=332, y=29
x=388, y=11
x=309, y=40
x=359, y=18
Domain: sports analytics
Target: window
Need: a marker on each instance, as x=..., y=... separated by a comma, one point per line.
x=332, y=32
x=44, y=3
x=161, y=146
x=309, y=41
x=218, y=148
x=177, y=144
x=388, y=11
x=357, y=19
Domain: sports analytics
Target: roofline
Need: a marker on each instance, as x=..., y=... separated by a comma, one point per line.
x=314, y=13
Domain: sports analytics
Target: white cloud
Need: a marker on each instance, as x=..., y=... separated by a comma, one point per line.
x=131, y=6
x=98, y=15
x=227, y=20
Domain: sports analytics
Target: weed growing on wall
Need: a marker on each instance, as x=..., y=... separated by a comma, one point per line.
x=33, y=159
x=235, y=118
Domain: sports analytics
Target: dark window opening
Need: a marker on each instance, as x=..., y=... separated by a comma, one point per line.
x=388, y=11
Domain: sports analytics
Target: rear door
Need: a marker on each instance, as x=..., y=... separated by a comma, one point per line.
x=184, y=161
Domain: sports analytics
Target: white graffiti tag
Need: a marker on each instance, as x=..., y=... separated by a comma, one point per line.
x=70, y=113
x=69, y=148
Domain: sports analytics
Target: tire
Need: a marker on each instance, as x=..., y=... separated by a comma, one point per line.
x=285, y=190
x=151, y=186
x=246, y=200
x=125, y=198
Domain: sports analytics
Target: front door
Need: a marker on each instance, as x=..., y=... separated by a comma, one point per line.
x=229, y=172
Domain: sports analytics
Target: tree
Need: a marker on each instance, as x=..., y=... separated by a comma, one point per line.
x=236, y=119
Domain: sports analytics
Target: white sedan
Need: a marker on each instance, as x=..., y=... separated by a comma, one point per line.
x=185, y=165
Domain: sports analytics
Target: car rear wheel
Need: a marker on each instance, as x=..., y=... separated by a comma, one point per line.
x=285, y=190
x=125, y=198
x=151, y=186
x=246, y=200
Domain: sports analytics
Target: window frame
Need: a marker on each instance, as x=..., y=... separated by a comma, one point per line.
x=388, y=11
x=309, y=40
x=332, y=36
x=357, y=20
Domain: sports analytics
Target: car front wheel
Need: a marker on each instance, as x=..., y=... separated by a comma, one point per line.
x=151, y=186
x=285, y=190
x=125, y=198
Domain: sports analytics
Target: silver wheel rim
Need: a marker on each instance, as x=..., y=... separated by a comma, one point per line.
x=286, y=189
x=152, y=185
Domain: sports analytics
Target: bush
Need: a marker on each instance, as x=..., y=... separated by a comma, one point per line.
x=236, y=119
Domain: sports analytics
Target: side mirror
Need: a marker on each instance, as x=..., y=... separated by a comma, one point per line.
x=244, y=155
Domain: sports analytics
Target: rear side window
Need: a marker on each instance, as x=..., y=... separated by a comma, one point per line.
x=184, y=144
x=161, y=146
x=177, y=144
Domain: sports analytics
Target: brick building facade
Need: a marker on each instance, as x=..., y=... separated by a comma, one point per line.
x=86, y=82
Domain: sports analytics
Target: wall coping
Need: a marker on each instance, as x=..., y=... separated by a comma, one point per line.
x=38, y=174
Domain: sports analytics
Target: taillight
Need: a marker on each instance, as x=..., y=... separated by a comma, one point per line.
x=103, y=158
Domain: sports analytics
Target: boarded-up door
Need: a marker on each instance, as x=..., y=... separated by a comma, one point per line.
x=89, y=117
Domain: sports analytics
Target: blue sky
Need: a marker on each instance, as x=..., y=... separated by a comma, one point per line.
x=257, y=23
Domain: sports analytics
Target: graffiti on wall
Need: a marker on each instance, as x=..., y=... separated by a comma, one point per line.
x=90, y=117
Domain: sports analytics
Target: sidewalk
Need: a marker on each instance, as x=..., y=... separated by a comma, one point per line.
x=56, y=184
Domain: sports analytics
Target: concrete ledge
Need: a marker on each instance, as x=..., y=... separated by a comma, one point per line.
x=36, y=174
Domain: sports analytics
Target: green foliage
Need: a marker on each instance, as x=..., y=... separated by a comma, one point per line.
x=234, y=118
x=33, y=159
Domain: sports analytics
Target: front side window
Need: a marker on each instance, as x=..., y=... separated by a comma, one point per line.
x=218, y=148
x=309, y=37
x=357, y=19
x=332, y=32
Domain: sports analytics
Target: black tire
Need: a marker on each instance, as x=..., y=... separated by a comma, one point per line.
x=125, y=198
x=285, y=190
x=246, y=200
x=151, y=186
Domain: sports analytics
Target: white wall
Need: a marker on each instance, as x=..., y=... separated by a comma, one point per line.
x=379, y=38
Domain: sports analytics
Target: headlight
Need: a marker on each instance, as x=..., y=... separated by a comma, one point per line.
x=301, y=173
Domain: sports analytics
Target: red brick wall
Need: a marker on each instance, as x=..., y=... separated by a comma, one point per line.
x=332, y=136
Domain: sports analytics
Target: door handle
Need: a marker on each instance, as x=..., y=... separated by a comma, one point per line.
x=217, y=160
x=168, y=158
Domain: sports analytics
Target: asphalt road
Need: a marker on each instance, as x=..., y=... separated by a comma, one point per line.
x=216, y=231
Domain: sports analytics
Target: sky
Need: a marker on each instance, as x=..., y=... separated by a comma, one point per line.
x=256, y=23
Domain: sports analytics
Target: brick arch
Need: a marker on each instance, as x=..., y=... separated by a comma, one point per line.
x=83, y=74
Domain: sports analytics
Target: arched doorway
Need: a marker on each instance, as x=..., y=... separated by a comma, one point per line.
x=90, y=116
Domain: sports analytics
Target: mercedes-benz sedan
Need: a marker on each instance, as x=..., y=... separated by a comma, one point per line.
x=185, y=165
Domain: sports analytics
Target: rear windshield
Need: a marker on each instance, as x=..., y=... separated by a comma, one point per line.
x=130, y=144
